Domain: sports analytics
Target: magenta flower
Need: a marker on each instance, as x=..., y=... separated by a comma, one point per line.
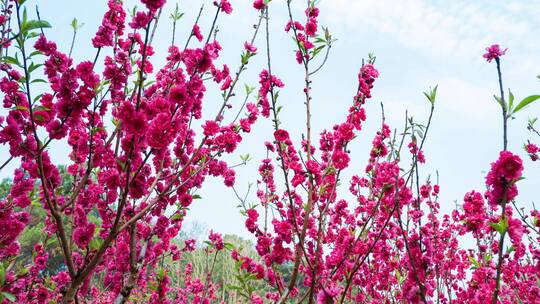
x=225, y=6
x=153, y=5
x=258, y=4
x=249, y=47
x=502, y=177
x=197, y=32
x=494, y=52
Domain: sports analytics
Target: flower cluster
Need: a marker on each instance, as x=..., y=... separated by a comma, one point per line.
x=118, y=206
x=303, y=32
x=502, y=178
x=533, y=151
x=140, y=147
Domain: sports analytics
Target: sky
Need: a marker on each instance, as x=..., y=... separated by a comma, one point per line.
x=418, y=44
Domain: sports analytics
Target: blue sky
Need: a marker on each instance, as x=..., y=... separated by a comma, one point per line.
x=418, y=43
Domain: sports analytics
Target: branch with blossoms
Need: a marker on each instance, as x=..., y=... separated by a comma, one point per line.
x=129, y=176
x=335, y=251
x=140, y=151
x=531, y=148
x=504, y=174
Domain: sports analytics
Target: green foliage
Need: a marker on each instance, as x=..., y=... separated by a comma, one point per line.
x=7, y=296
x=33, y=233
x=432, y=94
x=176, y=14
x=5, y=186
x=75, y=25
x=511, y=106
x=237, y=283
x=525, y=102
x=502, y=226
x=28, y=28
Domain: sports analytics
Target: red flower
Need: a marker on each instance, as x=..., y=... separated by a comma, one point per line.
x=225, y=6
x=494, y=52
x=258, y=4
x=340, y=159
x=311, y=27
x=211, y=127
x=197, y=32
x=281, y=135
x=153, y=5
x=502, y=177
x=249, y=47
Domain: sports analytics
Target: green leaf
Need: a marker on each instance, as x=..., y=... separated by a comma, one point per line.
x=245, y=158
x=35, y=53
x=525, y=102
x=10, y=60
x=33, y=67
x=399, y=277
x=518, y=179
x=34, y=24
x=25, y=17
x=245, y=58
x=510, y=100
x=177, y=216
x=317, y=50
x=501, y=227
x=234, y=287
x=176, y=15
x=160, y=273
x=327, y=35
x=499, y=101
x=510, y=249
x=432, y=95
x=8, y=296
x=2, y=275
x=496, y=226
x=249, y=89
x=474, y=262
x=95, y=243
x=32, y=35
x=76, y=25
x=39, y=117
x=133, y=11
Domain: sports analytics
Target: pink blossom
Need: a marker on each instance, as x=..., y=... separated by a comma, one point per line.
x=140, y=20
x=216, y=240
x=340, y=159
x=225, y=6
x=258, y=4
x=153, y=5
x=281, y=135
x=502, y=177
x=250, y=48
x=311, y=27
x=494, y=52
x=197, y=32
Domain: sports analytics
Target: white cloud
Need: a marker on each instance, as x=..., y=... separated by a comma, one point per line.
x=442, y=28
